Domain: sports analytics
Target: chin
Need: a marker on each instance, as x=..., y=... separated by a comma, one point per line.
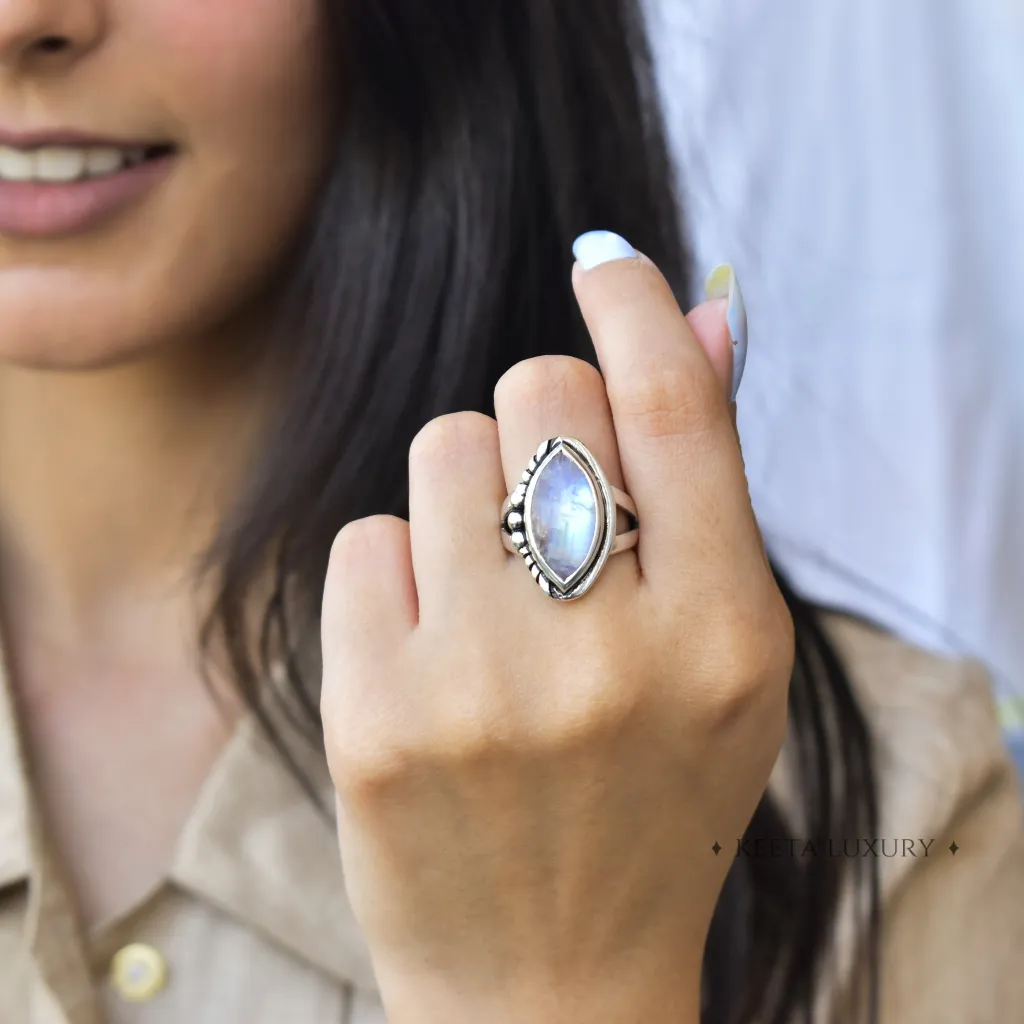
x=74, y=321
x=71, y=336
x=56, y=357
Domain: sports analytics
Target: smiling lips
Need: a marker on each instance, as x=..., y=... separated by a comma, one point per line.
x=62, y=185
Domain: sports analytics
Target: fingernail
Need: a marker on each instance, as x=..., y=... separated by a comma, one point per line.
x=597, y=247
x=721, y=283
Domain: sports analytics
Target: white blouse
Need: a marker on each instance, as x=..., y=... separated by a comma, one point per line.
x=861, y=163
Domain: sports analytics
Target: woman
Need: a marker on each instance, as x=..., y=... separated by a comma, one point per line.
x=252, y=257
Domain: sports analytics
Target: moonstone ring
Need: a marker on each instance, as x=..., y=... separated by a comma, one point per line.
x=563, y=519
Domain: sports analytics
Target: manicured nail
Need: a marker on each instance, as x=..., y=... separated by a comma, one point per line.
x=721, y=283
x=597, y=247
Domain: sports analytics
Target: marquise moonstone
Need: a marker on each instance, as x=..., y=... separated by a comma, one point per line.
x=563, y=514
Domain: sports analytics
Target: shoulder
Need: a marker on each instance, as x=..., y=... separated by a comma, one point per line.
x=952, y=928
x=933, y=721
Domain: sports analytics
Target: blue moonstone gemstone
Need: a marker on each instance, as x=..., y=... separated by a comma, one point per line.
x=563, y=514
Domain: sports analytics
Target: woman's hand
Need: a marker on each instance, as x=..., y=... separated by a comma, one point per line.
x=529, y=790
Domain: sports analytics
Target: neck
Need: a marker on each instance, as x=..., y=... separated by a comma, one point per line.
x=113, y=481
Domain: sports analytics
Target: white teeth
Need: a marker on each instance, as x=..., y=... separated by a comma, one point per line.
x=57, y=163
x=16, y=165
x=62, y=164
x=103, y=161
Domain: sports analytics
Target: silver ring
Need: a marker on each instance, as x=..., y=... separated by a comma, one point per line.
x=563, y=518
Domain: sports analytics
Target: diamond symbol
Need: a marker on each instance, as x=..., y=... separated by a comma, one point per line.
x=953, y=847
x=716, y=848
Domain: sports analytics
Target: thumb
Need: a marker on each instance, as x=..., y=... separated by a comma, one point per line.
x=708, y=323
x=720, y=325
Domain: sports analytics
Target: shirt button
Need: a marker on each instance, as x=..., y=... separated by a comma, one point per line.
x=138, y=972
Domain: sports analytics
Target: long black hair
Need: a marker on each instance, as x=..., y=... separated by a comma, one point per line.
x=475, y=140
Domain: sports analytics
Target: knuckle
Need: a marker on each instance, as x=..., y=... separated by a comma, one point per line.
x=468, y=727
x=358, y=543
x=601, y=695
x=553, y=380
x=378, y=764
x=749, y=663
x=681, y=399
x=603, y=713
x=445, y=440
x=364, y=773
x=468, y=741
x=369, y=735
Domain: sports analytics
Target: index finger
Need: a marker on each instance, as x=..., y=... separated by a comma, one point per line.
x=680, y=456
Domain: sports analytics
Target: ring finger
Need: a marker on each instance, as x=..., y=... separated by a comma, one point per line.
x=549, y=396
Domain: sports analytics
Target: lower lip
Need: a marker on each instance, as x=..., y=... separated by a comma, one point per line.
x=32, y=209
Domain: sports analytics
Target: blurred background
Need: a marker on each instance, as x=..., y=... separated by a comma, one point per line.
x=861, y=164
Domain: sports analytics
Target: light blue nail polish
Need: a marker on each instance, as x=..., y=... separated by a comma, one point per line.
x=721, y=283
x=597, y=247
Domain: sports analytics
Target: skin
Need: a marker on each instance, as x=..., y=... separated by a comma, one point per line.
x=541, y=738
x=129, y=400
x=586, y=756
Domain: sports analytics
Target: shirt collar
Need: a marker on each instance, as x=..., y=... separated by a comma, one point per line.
x=254, y=845
x=257, y=847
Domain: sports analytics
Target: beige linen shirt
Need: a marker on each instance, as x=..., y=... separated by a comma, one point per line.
x=254, y=926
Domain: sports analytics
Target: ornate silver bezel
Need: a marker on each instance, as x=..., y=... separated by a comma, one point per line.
x=517, y=522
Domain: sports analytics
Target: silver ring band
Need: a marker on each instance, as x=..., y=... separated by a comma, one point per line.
x=563, y=519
